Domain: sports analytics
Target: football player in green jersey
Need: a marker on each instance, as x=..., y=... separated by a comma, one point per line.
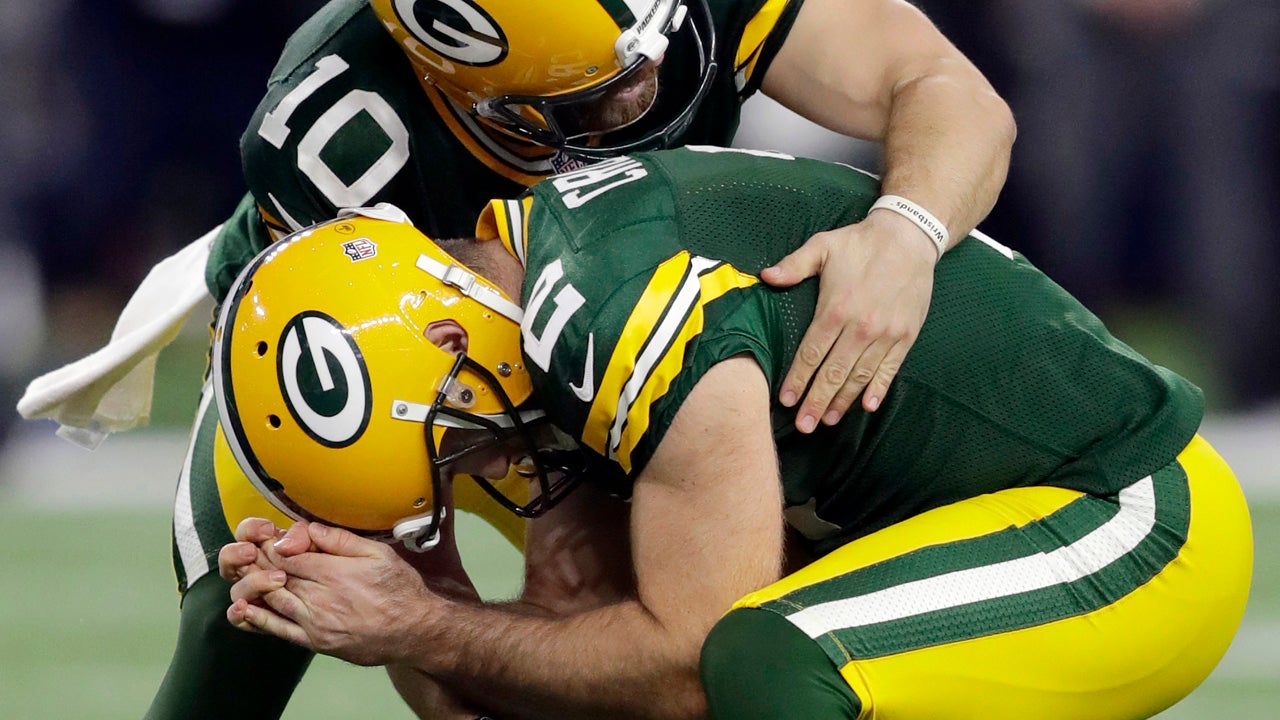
x=439, y=105
x=1028, y=526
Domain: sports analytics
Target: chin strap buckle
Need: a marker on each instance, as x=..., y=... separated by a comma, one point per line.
x=413, y=532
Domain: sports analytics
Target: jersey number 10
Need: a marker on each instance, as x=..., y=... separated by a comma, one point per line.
x=275, y=130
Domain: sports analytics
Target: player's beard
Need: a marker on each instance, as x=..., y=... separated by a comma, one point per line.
x=621, y=106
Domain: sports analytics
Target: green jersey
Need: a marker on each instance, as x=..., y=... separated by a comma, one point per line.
x=346, y=122
x=641, y=275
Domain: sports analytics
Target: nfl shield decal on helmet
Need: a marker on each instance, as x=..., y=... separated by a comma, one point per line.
x=325, y=382
x=360, y=249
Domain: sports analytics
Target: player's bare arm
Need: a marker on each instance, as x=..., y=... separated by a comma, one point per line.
x=880, y=70
x=578, y=555
x=577, y=558
x=705, y=529
x=255, y=556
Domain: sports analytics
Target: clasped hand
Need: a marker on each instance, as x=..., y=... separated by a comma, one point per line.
x=326, y=589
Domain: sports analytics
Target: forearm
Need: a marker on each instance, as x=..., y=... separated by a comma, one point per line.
x=577, y=560
x=947, y=145
x=704, y=511
x=615, y=662
x=879, y=70
x=428, y=698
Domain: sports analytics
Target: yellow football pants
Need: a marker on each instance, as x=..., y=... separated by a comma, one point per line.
x=1036, y=602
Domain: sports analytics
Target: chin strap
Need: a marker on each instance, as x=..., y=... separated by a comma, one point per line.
x=413, y=532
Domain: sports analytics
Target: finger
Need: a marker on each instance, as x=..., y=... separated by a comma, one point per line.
x=255, y=585
x=234, y=558
x=841, y=368
x=878, y=388
x=272, y=590
x=295, y=540
x=236, y=616
x=258, y=619
x=255, y=530
x=343, y=543
x=804, y=262
x=334, y=549
x=288, y=604
x=818, y=339
x=857, y=381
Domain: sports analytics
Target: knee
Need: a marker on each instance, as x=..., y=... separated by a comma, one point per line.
x=756, y=664
x=747, y=644
x=733, y=643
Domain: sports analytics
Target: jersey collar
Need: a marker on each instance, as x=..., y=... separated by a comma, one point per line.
x=507, y=221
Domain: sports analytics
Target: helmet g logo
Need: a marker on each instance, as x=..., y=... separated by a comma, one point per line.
x=457, y=29
x=325, y=382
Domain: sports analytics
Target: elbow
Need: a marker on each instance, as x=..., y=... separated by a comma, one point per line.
x=677, y=691
x=962, y=88
x=693, y=701
x=1006, y=129
x=984, y=101
x=1003, y=121
x=680, y=684
x=994, y=110
x=996, y=132
x=993, y=107
x=695, y=707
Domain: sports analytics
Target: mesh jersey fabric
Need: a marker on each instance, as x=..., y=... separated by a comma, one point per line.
x=1011, y=383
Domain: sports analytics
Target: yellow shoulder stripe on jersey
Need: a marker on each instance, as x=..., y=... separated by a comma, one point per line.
x=523, y=164
x=661, y=288
x=712, y=285
x=508, y=221
x=753, y=37
x=650, y=353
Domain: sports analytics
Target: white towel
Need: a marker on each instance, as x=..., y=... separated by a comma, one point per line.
x=109, y=391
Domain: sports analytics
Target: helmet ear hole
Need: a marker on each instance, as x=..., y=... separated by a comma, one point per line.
x=261, y=348
x=274, y=421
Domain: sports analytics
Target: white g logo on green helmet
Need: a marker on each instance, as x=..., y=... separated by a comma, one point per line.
x=325, y=382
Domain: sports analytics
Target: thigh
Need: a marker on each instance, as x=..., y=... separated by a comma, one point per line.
x=1036, y=602
x=213, y=495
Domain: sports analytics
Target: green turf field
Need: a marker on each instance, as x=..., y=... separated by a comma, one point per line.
x=88, y=618
x=88, y=611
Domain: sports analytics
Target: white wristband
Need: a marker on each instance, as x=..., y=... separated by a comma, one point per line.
x=923, y=219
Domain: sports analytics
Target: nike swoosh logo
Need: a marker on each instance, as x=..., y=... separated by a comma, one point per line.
x=588, y=388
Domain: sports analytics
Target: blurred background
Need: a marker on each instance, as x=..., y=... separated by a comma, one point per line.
x=1145, y=179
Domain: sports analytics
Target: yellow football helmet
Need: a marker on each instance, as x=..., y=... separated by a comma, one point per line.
x=530, y=66
x=331, y=397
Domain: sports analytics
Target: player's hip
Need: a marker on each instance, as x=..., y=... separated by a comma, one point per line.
x=1039, y=602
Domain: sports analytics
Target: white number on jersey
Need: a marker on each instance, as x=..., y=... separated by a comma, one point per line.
x=572, y=184
x=567, y=302
x=275, y=130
